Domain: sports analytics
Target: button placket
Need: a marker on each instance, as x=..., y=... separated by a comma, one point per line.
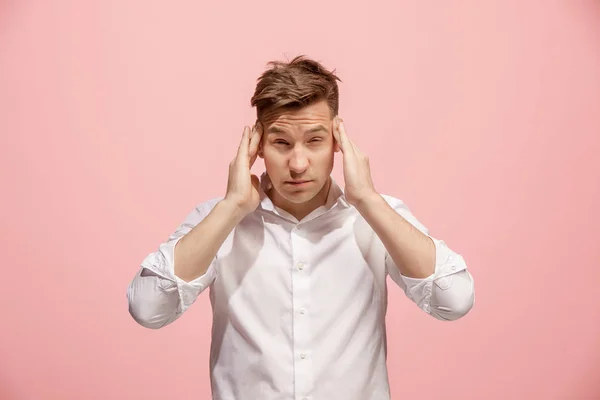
x=303, y=372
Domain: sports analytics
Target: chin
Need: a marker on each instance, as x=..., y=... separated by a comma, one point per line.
x=302, y=199
x=297, y=197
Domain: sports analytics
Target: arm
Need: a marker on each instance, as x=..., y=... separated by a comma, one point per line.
x=430, y=273
x=410, y=249
x=196, y=250
x=171, y=278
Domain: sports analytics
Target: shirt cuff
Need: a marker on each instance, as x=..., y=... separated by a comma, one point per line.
x=162, y=263
x=447, y=263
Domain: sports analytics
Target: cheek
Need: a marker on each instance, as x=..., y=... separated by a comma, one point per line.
x=272, y=158
x=270, y=151
x=325, y=154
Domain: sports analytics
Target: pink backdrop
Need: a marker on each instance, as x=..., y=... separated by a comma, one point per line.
x=118, y=117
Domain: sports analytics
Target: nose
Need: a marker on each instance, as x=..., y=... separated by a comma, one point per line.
x=298, y=161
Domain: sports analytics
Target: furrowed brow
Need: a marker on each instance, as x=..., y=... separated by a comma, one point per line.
x=318, y=128
x=275, y=129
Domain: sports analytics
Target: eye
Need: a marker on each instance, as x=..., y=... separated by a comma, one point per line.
x=280, y=142
x=315, y=140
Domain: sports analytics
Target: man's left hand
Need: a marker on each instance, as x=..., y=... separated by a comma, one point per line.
x=357, y=173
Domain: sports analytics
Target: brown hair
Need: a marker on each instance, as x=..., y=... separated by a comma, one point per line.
x=295, y=84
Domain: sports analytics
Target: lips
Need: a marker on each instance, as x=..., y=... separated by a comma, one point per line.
x=297, y=182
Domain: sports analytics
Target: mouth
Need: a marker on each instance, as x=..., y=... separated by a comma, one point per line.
x=297, y=183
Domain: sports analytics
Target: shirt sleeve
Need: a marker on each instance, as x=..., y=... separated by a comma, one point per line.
x=156, y=296
x=448, y=293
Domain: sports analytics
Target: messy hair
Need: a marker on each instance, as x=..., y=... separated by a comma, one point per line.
x=295, y=84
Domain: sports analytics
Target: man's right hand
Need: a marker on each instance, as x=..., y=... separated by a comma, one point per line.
x=242, y=185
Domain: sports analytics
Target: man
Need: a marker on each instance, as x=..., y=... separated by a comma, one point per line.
x=296, y=268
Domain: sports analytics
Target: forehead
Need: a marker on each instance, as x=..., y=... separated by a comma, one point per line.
x=312, y=114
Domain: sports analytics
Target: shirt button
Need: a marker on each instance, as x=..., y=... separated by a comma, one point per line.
x=302, y=311
x=453, y=267
x=303, y=356
x=300, y=266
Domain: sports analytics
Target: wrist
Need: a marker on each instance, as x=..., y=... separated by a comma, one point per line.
x=232, y=209
x=369, y=201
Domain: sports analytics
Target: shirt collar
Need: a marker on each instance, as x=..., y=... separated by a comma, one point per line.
x=335, y=197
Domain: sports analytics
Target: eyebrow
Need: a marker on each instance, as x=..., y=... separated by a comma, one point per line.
x=318, y=128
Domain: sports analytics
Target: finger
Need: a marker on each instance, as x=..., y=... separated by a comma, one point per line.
x=254, y=141
x=253, y=151
x=342, y=133
x=345, y=143
x=256, y=144
x=243, y=148
x=336, y=133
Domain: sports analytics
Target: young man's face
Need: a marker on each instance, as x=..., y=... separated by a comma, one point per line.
x=298, y=150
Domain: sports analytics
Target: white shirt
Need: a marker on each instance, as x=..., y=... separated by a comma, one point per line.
x=298, y=306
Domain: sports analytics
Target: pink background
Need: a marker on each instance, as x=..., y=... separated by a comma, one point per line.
x=118, y=117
